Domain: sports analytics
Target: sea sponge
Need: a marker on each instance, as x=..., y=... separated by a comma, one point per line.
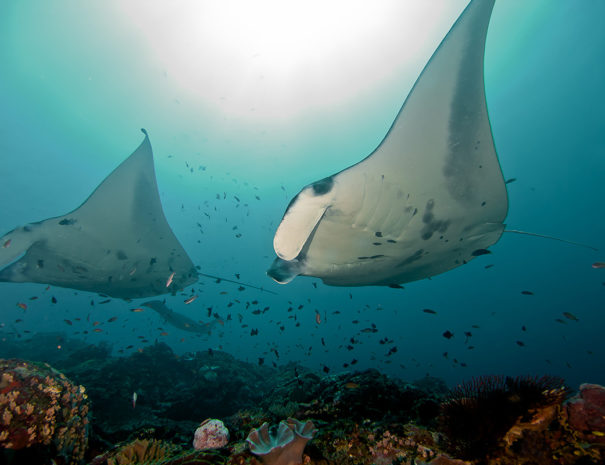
x=586, y=412
x=211, y=434
x=284, y=448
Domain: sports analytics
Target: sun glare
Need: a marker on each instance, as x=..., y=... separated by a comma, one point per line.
x=269, y=58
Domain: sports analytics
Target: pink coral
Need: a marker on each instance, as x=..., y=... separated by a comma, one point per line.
x=587, y=411
x=211, y=434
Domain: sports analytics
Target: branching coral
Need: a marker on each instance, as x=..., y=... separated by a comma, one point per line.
x=284, y=448
x=476, y=415
x=39, y=405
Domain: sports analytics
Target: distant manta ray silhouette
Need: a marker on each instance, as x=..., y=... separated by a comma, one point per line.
x=118, y=242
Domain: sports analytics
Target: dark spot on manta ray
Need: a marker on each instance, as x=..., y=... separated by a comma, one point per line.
x=376, y=256
x=391, y=241
x=483, y=204
x=121, y=255
x=362, y=258
x=153, y=261
x=40, y=263
x=378, y=234
x=479, y=252
x=323, y=186
x=376, y=243
x=67, y=221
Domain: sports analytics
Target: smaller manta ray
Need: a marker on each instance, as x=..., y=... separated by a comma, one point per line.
x=178, y=320
x=430, y=197
x=117, y=242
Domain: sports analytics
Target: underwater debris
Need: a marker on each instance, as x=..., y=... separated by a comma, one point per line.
x=477, y=414
x=284, y=448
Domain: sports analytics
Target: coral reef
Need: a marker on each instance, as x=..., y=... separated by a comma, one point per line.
x=285, y=447
x=39, y=406
x=154, y=452
x=211, y=434
x=362, y=418
x=476, y=415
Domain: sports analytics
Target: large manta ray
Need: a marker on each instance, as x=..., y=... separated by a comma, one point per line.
x=431, y=196
x=117, y=242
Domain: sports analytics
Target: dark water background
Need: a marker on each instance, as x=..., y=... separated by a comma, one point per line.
x=256, y=101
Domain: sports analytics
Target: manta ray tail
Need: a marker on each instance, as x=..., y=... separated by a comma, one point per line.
x=544, y=236
x=219, y=279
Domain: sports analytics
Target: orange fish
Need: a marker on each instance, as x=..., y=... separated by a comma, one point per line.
x=96, y=323
x=169, y=280
x=6, y=244
x=598, y=265
x=163, y=333
x=137, y=310
x=98, y=330
x=22, y=306
x=317, y=318
x=190, y=299
x=351, y=385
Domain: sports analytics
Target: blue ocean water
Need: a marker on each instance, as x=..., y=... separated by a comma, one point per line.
x=238, y=106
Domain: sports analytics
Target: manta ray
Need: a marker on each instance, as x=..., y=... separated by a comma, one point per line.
x=117, y=242
x=429, y=198
x=178, y=320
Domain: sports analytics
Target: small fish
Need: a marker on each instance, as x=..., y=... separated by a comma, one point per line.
x=134, y=399
x=190, y=299
x=68, y=322
x=479, y=252
x=133, y=271
x=508, y=181
x=112, y=319
x=570, y=316
x=163, y=333
x=169, y=280
x=448, y=334
x=22, y=306
x=317, y=318
x=521, y=343
x=527, y=293
x=428, y=310
x=597, y=265
x=137, y=310
x=351, y=385
x=7, y=244
x=98, y=330
x=53, y=300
